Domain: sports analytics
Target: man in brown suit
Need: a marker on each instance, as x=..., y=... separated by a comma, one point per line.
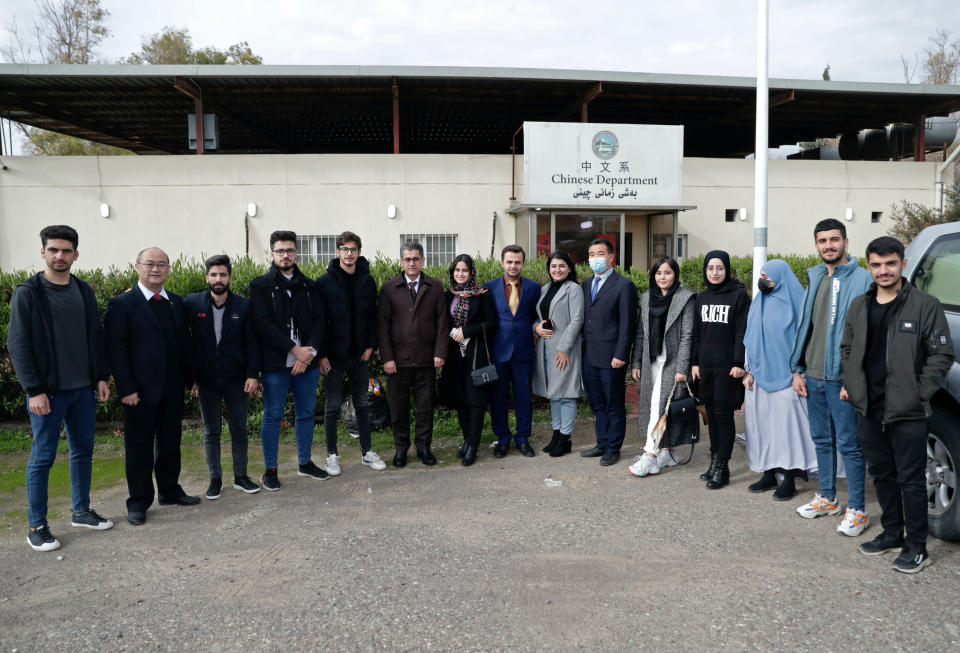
x=413, y=342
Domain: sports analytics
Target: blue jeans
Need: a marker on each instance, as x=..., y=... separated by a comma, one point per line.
x=564, y=414
x=833, y=428
x=304, y=390
x=78, y=409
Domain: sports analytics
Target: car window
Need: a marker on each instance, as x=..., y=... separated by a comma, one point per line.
x=939, y=271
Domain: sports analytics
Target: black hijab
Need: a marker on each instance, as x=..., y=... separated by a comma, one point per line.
x=728, y=283
x=659, y=305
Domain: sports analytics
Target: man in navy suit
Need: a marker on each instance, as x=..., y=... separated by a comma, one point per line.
x=227, y=359
x=514, y=298
x=148, y=349
x=608, y=330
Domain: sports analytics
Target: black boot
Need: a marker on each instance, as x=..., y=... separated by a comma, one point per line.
x=562, y=446
x=469, y=455
x=462, y=450
x=553, y=441
x=787, y=488
x=720, y=476
x=766, y=482
x=712, y=468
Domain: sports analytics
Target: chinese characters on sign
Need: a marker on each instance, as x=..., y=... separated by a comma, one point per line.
x=602, y=165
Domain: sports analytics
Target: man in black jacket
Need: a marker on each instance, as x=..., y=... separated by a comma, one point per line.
x=288, y=321
x=896, y=351
x=148, y=349
x=227, y=361
x=349, y=296
x=56, y=346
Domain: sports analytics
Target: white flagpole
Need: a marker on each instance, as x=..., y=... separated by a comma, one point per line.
x=760, y=148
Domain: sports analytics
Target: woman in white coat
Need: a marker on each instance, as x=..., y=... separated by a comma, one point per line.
x=556, y=372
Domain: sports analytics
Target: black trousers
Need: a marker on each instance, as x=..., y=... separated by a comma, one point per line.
x=896, y=457
x=722, y=428
x=151, y=441
x=419, y=381
x=471, y=423
x=212, y=399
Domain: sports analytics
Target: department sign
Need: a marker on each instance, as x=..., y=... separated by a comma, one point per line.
x=602, y=165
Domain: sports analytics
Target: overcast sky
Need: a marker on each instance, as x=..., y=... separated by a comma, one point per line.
x=862, y=40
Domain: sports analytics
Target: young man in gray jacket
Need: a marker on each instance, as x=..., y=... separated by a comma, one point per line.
x=896, y=351
x=815, y=364
x=56, y=344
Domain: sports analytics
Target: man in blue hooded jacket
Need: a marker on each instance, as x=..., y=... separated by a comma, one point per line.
x=817, y=375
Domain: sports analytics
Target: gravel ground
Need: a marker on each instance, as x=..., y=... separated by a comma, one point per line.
x=477, y=559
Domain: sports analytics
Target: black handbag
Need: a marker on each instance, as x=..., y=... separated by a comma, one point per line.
x=488, y=373
x=681, y=418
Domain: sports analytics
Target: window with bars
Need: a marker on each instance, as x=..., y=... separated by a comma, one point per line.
x=438, y=249
x=316, y=248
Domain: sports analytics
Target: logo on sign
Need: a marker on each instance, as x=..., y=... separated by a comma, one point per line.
x=605, y=144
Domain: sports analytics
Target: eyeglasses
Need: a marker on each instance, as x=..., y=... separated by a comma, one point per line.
x=159, y=265
x=285, y=252
x=411, y=259
x=349, y=250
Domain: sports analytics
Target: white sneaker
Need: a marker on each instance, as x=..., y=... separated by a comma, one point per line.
x=373, y=461
x=818, y=507
x=333, y=465
x=664, y=459
x=854, y=522
x=644, y=465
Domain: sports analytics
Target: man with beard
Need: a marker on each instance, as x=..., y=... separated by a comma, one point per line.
x=817, y=375
x=56, y=346
x=288, y=321
x=227, y=361
x=896, y=352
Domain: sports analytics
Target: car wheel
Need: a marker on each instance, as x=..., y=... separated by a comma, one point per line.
x=943, y=467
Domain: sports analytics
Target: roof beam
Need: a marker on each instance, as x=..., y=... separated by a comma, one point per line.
x=581, y=103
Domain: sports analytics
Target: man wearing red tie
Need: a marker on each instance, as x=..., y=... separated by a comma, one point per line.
x=148, y=347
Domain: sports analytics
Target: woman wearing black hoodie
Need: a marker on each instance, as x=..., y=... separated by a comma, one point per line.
x=718, y=358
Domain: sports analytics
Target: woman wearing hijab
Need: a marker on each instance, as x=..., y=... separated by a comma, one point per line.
x=473, y=320
x=778, y=430
x=556, y=372
x=661, y=356
x=720, y=321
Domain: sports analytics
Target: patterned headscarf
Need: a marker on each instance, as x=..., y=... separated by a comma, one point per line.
x=464, y=291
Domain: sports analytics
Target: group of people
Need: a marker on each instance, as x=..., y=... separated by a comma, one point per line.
x=844, y=367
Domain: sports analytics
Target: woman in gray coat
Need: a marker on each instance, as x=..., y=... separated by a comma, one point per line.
x=556, y=371
x=661, y=356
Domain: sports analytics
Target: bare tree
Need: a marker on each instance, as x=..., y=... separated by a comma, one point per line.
x=63, y=32
x=942, y=60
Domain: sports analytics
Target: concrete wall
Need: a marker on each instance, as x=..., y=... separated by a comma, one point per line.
x=195, y=205
x=800, y=194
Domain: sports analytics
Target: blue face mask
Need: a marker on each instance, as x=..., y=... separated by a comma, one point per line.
x=598, y=265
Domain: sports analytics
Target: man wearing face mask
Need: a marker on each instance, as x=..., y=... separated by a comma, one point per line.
x=608, y=329
x=227, y=361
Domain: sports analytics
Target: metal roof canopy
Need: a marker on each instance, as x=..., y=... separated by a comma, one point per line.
x=350, y=109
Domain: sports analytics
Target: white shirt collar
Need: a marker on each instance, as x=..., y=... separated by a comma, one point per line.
x=603, y=277
x=148, y=294
x=408, y=281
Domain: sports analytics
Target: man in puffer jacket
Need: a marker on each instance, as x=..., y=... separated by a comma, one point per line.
x=896, y=351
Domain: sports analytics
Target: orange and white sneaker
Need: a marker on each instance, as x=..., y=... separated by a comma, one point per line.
x=854, y=522
x=819, y=506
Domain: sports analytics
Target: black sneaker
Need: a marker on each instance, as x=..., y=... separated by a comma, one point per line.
x=269, y=480
x=244, y=483
x=42, y=539
x=309, y=469
x=90, y=519
x=910, y=562
x=213, y=492
x=881, y=544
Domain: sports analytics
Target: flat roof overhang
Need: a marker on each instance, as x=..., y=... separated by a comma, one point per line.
x=572, y=208
x=446, y=110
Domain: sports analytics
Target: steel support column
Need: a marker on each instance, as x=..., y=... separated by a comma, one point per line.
x=919, y=139
x=396, y=117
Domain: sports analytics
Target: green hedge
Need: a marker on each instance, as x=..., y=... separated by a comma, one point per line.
x=187, y=276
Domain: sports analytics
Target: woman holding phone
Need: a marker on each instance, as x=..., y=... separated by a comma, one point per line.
x=556, y=372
